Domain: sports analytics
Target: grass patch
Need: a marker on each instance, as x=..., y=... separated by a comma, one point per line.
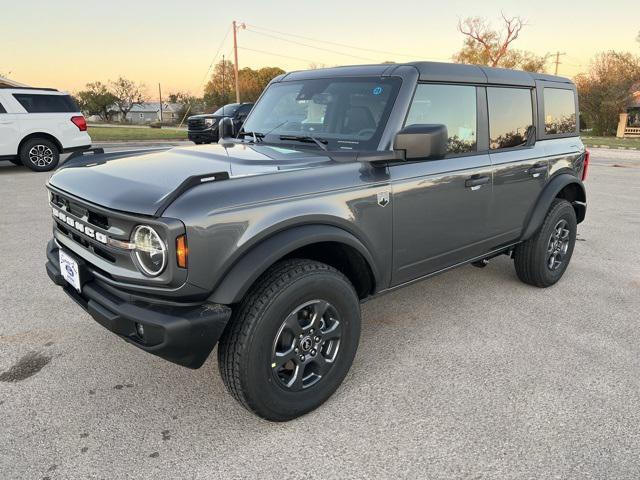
x=102, y=134
x=611, y=142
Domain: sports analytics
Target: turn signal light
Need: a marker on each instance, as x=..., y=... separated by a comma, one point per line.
x=182, y=252
x=585, y=164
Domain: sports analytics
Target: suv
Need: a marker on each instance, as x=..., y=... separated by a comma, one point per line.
x=204, y=128
x=343, y=184
x=37, y=125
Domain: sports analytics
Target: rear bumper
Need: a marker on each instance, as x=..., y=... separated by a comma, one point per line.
x=180, y=334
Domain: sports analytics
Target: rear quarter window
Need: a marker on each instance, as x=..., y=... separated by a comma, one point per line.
x=2, y=110
x=559, y=111
x=43, y=103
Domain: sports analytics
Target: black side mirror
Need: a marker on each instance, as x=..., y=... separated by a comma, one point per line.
x=226, y=128
x=422, y=141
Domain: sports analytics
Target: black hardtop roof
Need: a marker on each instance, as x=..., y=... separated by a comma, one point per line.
x=435, y=72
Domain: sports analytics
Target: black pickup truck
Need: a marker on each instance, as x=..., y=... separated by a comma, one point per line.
x=204, y=128
x=342, y=184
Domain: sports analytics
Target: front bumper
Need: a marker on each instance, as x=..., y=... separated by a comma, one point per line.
x=180, y=334
x=209, y=135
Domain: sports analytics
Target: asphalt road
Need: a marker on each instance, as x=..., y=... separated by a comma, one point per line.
x=471, y=374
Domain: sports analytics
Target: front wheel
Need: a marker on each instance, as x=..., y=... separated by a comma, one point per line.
x=542, y=260
x=292, y=340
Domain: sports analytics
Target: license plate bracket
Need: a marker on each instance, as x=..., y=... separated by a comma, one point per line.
x=70, y=270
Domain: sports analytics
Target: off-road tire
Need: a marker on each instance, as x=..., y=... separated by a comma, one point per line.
x=531, y=257
x=245, y=349
x=47, y=146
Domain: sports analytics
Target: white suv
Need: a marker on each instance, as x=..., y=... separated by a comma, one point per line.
x=37, y=125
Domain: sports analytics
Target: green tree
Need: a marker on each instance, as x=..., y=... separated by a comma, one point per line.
x=96, y=99
x=485, y=45
x=604, y=90
x=220, y=89
x=127, y=94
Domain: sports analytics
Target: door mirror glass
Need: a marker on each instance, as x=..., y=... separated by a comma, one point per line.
x=422, y=141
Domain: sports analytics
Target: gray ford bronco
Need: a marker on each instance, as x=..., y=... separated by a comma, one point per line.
x=342, y=184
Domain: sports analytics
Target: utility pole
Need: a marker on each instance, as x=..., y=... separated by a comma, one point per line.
x=557, y=62
x=235, y=55
x=224, y=93
x=160, y=95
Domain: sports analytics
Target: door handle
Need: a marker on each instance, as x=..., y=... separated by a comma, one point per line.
x=538, y=169
x=474, y=183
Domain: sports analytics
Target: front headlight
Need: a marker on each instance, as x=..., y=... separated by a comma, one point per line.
x=209, y=122
x=150, y=250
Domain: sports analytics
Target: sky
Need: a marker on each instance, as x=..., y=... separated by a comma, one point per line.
x=68, y=43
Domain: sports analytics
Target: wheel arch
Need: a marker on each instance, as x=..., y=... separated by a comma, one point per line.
x=326, y=243
x=565, y=186
x=44, y=135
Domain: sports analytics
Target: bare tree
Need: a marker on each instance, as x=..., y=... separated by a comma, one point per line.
x=493, y=45
x=127, y=94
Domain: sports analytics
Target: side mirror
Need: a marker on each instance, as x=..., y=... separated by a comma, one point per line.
x=422, y=141
x=226, y=128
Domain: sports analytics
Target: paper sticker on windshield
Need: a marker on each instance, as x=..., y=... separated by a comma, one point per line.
x=377, y=90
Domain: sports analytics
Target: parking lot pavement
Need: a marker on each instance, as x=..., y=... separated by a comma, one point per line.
x=471, y=374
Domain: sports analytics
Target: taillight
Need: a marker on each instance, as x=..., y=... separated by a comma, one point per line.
x=182, y=251
x=585, y=164
x=80, y=122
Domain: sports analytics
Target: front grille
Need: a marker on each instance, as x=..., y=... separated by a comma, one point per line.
x=196, y=124
x=80, y=211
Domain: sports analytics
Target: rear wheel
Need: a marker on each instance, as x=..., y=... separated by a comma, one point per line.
x=542, y=260
x=40, y=154
x=292, y=340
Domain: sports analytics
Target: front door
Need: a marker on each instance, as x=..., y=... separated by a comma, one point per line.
x=441, y=207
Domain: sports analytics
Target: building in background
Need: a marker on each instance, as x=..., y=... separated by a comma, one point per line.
x=629, y=123
x=6, y=82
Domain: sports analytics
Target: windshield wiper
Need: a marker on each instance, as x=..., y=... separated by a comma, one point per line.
x=321, y=142
x=255, y=135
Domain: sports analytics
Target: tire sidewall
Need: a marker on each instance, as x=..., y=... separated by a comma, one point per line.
x=565, y=212
x=276, y=401
x=24, y=154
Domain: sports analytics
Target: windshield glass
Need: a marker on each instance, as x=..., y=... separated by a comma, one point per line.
x=227, y=110
x=345, y=113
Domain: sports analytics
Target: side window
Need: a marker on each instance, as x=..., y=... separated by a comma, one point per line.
x=451, y=105
x=559, y=111
x=39, y=103
x=510, y=117
x=2, y=110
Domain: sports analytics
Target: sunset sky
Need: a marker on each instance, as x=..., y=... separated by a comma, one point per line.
x=67, y=43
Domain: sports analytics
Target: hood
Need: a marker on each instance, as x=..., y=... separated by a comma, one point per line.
x=142, y=183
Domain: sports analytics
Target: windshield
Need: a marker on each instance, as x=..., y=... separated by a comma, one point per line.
x=227, y=110
x=344, y=113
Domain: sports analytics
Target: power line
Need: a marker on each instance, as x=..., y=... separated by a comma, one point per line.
x=335, y=43
x=312, y=46
x=306, y=60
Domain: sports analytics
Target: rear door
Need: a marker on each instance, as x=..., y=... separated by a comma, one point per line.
x=520, y=167
x=8, y=131
x=440, y=207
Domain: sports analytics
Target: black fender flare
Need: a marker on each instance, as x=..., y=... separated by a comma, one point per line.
x=535, y=218
x=239, y=278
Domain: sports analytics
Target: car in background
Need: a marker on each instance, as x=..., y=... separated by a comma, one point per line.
x=37, y=125
x=204, y=128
